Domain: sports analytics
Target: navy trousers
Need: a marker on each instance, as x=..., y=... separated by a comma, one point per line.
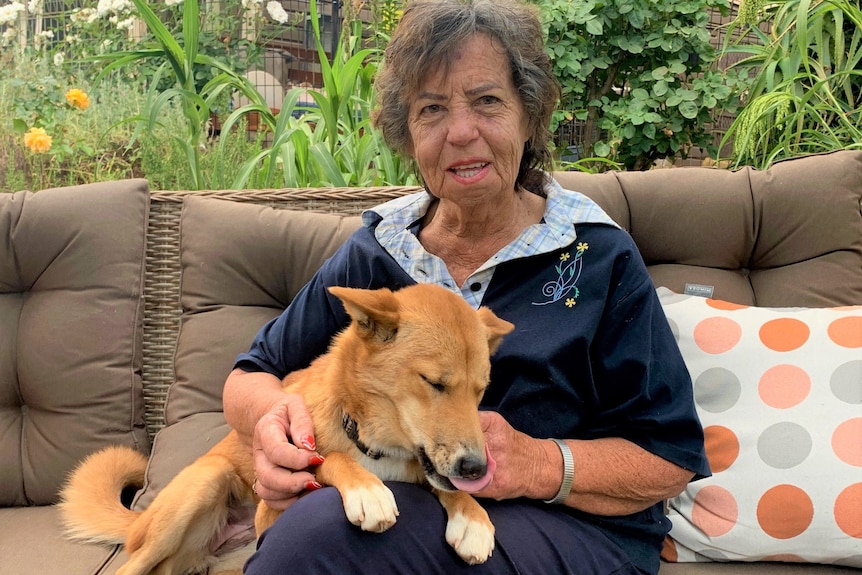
x=313, y=537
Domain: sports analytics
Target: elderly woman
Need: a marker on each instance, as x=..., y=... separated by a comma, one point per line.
x=467, y=92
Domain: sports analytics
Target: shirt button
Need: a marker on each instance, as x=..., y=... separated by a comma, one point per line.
x=476, y=286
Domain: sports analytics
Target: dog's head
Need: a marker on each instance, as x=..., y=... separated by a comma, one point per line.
x=422, y=357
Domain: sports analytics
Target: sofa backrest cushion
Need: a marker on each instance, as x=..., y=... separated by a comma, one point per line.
x=241, y=265
x=787, y=236
x=71, y=279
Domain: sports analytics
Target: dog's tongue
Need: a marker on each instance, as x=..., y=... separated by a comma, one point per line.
x=473, y=485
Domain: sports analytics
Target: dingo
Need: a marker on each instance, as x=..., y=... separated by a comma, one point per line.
x=394, y=398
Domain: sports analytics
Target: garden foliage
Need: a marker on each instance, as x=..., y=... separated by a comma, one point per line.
x=639, y=74
x=806, y=95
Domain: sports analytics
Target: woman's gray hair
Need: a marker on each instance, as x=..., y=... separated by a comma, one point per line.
x=428, y=36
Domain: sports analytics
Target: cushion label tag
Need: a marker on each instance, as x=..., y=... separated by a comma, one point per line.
x=699, y=290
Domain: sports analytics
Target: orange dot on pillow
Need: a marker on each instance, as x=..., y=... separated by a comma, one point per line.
x=784, y=511
x=847, y=442
x=715, y=510
x=724, y=305
x=784, y=334
x=785, y=558
x=848, y=511
x=846, y=331
x=784, y=386
x=717, y=334
x=722, y=447
x=668, y=550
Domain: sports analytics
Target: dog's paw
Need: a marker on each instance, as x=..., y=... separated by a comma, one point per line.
x=371, y=507
x=472, y=538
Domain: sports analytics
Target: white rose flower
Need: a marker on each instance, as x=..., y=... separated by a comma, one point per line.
x=276, y=12
x=9, y=12
x=9, y=36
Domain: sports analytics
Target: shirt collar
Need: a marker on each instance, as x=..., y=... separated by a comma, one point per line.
x=563, y=210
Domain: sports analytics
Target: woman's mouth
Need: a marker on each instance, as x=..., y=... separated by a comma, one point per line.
x=468, y=170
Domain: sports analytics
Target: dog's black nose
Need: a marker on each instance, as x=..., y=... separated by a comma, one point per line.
x=471, y=467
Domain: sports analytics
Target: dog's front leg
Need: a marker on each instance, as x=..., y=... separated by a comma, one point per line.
x=368, y=503
x=469, y=529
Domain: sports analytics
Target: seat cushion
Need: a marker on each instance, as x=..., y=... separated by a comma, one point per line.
x=71, y=279
x=31, y=544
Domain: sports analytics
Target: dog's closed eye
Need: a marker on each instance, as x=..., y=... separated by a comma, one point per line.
x=435, y=384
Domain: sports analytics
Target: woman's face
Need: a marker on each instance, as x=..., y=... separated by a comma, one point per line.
x=467, y=125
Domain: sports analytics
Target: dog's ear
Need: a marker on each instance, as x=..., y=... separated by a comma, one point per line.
x=496, y=327
x=375, y=312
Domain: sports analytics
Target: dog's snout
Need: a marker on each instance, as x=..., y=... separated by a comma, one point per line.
x=472, y=467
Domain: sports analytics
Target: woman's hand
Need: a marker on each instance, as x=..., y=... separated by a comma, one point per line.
x=277, y=429
x=522, y=461
x=283, y=451
x=613, y=476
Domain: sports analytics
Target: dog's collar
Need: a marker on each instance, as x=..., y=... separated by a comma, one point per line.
x=351, y=428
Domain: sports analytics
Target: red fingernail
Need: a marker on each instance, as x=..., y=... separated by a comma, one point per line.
x=312, y=485
x=308, y=443
x=316, y=460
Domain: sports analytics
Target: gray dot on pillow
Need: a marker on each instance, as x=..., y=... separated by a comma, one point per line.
x=846, y=382
x=716, y=390
x=784, y=445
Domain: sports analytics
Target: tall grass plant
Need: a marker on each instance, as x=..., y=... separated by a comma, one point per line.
x=806, y=95
x=329, y=141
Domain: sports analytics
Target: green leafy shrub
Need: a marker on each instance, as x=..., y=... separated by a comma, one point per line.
x=639, y=74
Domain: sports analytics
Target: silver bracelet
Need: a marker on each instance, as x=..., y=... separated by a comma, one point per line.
x=568, y=473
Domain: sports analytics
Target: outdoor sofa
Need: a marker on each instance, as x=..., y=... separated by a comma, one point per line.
x=122, y=309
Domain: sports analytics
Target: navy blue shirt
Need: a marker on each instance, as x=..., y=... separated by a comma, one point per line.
x=591, y=355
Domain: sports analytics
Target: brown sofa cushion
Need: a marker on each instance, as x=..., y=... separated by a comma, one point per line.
x=71, y=277
x=787, y=236
x=241, y=265
x=31, y=543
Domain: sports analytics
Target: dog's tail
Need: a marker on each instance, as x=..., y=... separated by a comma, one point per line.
x=91, y=503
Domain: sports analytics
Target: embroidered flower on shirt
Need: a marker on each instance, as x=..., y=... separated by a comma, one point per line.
x=569, y=272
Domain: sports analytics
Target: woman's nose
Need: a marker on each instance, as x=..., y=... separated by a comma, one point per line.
x=462, y=127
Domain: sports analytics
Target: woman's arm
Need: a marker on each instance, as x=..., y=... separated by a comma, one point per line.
x=613, y=476
x=247, y=396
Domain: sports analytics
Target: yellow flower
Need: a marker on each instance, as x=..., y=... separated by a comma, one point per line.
x=564, y=256
x=570, y=302
x=38, y=140
x=78, y=98
x=583, y=246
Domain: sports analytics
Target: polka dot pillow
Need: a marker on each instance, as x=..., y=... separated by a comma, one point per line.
x=779, y=393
